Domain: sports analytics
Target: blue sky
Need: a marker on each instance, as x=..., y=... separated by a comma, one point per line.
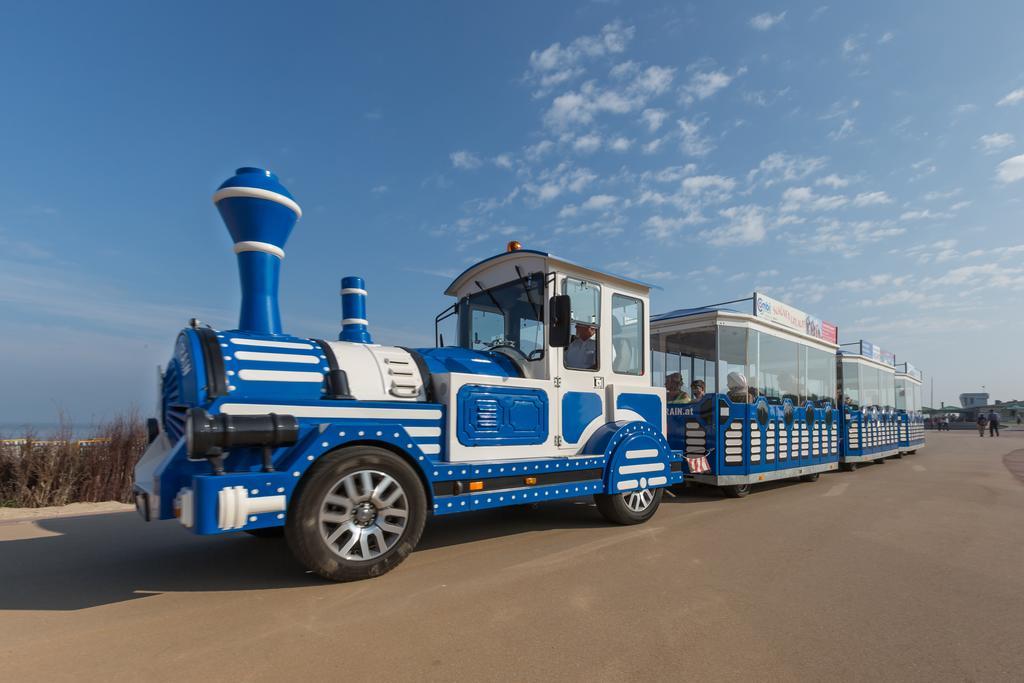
x=862, y=161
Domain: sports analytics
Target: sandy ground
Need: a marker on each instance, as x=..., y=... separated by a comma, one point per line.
x=73, y=510
x=908, y=570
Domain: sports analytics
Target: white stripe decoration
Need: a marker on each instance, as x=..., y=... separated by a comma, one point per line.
x=628, y=484
x=329, y=412
x=353, y=290
x=272, y=344
x=279, y=376
x=429, y=449
x=657, y=481
x=276, y=357
x=423, y=431
x=354, y=321
x=642, y=453
x=257, y=193
x=646, y=467
x=265, y=247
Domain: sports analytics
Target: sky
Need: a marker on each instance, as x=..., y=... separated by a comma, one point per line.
x=861, y=161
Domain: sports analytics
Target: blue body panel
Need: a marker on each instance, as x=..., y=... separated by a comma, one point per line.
x=911, y=431
x=501, y=416
x=579, y=409
x=869, y=435
x=457, y=359
x=756, y=440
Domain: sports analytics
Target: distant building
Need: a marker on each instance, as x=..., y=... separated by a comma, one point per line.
x=973, y=400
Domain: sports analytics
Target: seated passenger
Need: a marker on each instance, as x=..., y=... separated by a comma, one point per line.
x=697, y=387
x=581, y=353
x=674, y=389
x=737, y=386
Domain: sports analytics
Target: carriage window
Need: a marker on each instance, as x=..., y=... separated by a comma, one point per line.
x=689, y=354
x=732, y=362
x=820, y=381
x=627, y=335
x=851, y=385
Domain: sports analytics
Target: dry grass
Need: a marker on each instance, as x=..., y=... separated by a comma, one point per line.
x=62, y=470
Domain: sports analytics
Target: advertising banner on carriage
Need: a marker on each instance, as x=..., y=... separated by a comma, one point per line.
x=793, y=318
x=913, y=371
x=888, y=357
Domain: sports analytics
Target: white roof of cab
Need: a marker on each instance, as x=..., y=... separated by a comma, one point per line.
x=553, y=262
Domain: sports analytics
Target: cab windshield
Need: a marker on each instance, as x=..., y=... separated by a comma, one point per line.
x=509, y=315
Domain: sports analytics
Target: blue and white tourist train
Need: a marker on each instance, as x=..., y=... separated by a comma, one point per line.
x=555, y=389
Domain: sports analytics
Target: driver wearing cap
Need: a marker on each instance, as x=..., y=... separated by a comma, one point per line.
x=582, y=351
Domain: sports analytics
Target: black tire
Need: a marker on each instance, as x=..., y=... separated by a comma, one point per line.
x=849, y=466
x=306, y=532
x=736, y=491
x=898, y=455
x=615, y=509
x=267, y=532
x=810, y=477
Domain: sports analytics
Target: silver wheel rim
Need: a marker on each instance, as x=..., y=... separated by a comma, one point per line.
x=638, y=501
x=364, y=515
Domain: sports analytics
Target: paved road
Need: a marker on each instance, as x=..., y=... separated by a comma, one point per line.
x=909, y=570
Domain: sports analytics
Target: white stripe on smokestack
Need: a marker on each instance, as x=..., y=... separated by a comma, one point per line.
x=257, y=193
x=265, y=247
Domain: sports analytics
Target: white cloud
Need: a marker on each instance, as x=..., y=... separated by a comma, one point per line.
x=844, y=131
x=620, y=144
x=653, y=146
x=536, y=151
x=568, y=211
x=503, y=161
x=993, y=142
x=660, y=227
x=871, y=199
x=588, y=143
x=693, y=143
x=853, y=51
x=803, y=198
x=925, y=214
x=780, y=167
x=1011, y=170
x=379, y=189
x=581, y=107
x=960, y=205
x=714, y=186
x=654, y=80
x=464, y=160
x=599, y=202
x=552, y=182
x=833, y=181
x=933, y=195
x=704, y=84
x=746, y=225
x=765, y=21
x=922, y=168
x=1011, y=98
x=653, y=118
x=886, y=38
x=556, y=65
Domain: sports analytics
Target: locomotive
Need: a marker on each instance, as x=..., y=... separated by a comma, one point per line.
x=347, y=445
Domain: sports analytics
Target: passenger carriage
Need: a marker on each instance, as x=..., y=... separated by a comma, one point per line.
x=867, y=384
x=348, y=444
x=781, y=423
x=908, y=408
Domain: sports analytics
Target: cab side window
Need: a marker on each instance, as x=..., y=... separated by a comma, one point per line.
x=627, y=335
x=583, y=350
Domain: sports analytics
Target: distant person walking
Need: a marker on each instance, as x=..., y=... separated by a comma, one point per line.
x=993, y=423
x=982, y=422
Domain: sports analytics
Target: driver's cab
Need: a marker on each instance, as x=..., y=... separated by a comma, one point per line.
x=577, y=341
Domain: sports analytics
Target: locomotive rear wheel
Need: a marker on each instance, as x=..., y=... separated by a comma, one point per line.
x=737, y=490
x=357, y=514
x=632, y=507
x=848, y=466
x=810, y=477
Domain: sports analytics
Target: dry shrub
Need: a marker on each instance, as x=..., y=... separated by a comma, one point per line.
x=63, y=470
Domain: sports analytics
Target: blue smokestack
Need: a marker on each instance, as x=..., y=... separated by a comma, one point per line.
x=260, y=214
x=354, y=327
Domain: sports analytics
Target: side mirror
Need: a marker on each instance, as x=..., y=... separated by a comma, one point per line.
x=561, y=315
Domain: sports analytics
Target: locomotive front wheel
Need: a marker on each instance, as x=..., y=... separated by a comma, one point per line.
x=632, y=507
x=356, y=514
x=736, y=491
x=810, y=477
x=849, y=466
